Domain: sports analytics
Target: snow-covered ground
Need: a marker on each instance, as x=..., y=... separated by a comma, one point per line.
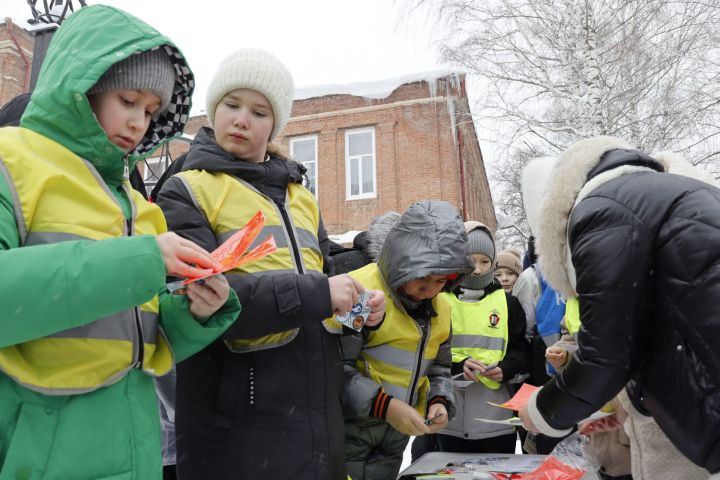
x=407, y=456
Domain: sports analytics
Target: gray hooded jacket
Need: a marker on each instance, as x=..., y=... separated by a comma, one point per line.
x=428, y=239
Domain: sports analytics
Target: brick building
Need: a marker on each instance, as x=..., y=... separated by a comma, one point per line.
x=381, y=146
x=16, y=52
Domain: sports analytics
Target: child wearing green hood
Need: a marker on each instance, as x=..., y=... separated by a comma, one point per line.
x=87, y=322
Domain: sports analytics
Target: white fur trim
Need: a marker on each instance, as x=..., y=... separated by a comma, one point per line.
x=535, y=178
x=675, y=163
x=566, y=179
x=540, y=422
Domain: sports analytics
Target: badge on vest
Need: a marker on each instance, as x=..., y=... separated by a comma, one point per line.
x=494, y=319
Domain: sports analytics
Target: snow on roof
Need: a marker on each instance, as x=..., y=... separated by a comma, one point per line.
x=344, y=238
x=377, y=89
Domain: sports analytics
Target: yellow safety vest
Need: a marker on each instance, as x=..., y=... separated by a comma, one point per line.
x=572, y=316
x=480, y=330
x=399, y=354
x=58, y=197
x=229, y=203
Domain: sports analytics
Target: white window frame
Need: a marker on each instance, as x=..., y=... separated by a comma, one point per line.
x=292, y=155
x=348, y=190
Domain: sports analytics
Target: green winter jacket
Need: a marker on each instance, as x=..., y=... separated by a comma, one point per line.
x=112, y=432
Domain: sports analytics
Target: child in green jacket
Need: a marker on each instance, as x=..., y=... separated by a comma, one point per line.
x=87, y=322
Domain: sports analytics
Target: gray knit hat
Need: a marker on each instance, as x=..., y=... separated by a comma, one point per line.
x=480, y=240
x=151, y=70
x=257, y=70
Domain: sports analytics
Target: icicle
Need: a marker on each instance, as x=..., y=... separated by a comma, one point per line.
x=449, y=99
x=433, y=87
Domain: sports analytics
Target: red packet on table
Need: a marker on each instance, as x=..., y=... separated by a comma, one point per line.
x=231, y=254
x=520, y=400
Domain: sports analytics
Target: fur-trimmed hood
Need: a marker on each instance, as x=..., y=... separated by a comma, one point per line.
x=552, y=188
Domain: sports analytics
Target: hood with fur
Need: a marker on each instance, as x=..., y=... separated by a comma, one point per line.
x=552, y=188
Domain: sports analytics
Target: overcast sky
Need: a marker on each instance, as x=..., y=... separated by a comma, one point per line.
x=321, y=41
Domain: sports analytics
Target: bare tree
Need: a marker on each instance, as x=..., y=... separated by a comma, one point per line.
x=554, y=71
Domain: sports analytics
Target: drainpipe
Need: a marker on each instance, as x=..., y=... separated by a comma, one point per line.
x=461, y=157
x=25, y=60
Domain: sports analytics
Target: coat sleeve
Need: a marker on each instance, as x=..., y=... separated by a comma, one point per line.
x=612, y=253
x=527, y=291
x=45, y=289
x=359, y=391
x=441, y=384
x=186, y=334
x=271, y=303
x=516, y=363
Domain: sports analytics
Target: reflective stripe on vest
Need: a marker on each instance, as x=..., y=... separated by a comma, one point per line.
x=59, y=197
x=480, y=330
x=229, y=203
x=394, y=355
x=572, y=316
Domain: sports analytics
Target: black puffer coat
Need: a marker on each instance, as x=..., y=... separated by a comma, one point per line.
x=645, y=249
x=267, y=414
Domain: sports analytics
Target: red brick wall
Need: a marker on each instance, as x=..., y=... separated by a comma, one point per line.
x=416, y=155
x=15, y=74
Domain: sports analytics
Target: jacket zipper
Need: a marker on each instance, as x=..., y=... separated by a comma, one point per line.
x=291, y=236
x=416, y=374
x=138, y=325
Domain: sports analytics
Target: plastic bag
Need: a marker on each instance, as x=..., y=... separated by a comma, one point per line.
x=575, y=452
x=550, y=469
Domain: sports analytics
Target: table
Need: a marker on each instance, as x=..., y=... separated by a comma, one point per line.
x=433, y=461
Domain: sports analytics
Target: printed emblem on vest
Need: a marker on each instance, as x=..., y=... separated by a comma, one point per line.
x=494, y=319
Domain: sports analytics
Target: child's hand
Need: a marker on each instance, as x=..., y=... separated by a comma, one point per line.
x=556, y=356
x=470, y=367
x=494, y=373
x=438, y=413
x=180, y=254
x=206, y=298
x=377, y=308
x=344, y=292
x=405, y=419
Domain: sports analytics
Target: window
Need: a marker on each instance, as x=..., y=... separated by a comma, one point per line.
x=304, y=150
x=153, y=169
x=360, y=163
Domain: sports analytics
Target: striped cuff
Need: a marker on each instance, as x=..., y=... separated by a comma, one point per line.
x=540, y=422
x=380, y=405
x=442, y=400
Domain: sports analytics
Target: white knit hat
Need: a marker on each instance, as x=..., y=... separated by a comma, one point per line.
x=257, y=70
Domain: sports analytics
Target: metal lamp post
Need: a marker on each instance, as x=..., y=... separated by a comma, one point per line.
x=47, y=17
